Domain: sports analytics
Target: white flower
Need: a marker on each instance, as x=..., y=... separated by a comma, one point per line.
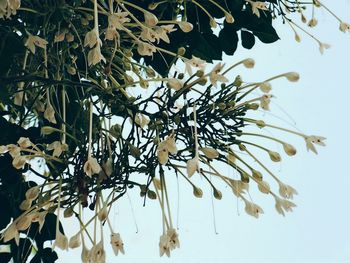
x=286, y=191
x=91, y=167
x=39, y=217
x=323, y=46
x=112, y=34
x=238, y=187
x=253, y=209
x=13, y=150
x=283, y=205
x=173, y=238
x=49, y=113
x=92, y=38
x=164, y=245
x=11, y=233
x=264, y=187
x=265, y=102
x=85, y=255
x=3, y=149
x=24, y=142
x=24, y=222
x=148, y=34
x=95, y=56
x=61, y=241
x=57, y=148
x=97, y=254
x=163, y=31
x=19, y=161
x=194, y=62
x=117, y=243
x=75, y=241
x=185, y=26
x=192, y=166
x=116, y=20
x=34, y=41
x=210, y=152
x=165, y=147
x=141, y=120
x=214, y=75
x=311, y=140
x=175, y=84
x=145, y=49
x=150, y=19
x=256, y=6
x=344, y=27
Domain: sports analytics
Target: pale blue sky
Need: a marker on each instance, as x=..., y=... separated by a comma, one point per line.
x=319, y=228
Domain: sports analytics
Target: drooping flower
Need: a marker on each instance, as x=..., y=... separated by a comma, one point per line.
x=165, y=147
x=11, y=233
x=286, y=191
x=175, y=84
x=194, y=62
x=192, y=166
x=173, y=238
x=24, y=142
x=253, y=209
x=239, y=187
x=98, y=254
x=256, y=6
x=117, y=243
x=283, y=205
x=24, y=222
x=164, y=245
x=163, y=31
x=265, y=101
x=145, y=49
x=311, y=140
x=85, y=255
x=91, y=167
x=35, y=41
x=75, y=241
x=313, y=22
x=49, y=113
x=323, y=46
x=57, y=148
x=92, y=38
x=19, y=161
x=264, y=187
x=116, y=20
x=344, y=27
x=95, y=56
x=215, y=75
x=39, y=217
x=61, y=241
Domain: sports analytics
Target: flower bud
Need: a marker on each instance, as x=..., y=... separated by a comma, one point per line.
x=68, y=212
x=32, y=193
x=210, y=152
x=249, y=63
x=274, y=156
x=181, y=51
x=197, y=192
x=175, y=84
x=150, y=19
x=289, y=149
x=292, y=76
x=75, y=241
x=265, y=87
x=185, y=26
x=23, y=223
x=46, y=130
x=260, y=123
x=231, y=158
x=217, y=194
x=25, y=205
x=213, y=23
x=229, y=18
x=257, y=175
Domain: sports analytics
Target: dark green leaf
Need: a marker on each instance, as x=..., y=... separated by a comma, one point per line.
x=248, y=39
